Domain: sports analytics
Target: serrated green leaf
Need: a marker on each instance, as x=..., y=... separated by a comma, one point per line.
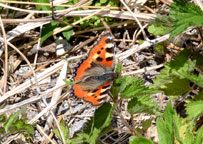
x=165, y=126
x=134, y=87
x=158, y=30
x=47, y=31
x=136, y=105
x=176, y=87
x=179, y=128
x=194, y=109
x=139, y=140
x=11, y=120
x=199, y=137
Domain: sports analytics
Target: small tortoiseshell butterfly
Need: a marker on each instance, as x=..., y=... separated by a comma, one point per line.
x=93, y=75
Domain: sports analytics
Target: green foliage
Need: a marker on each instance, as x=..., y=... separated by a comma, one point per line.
x=134, y=89
x=96, y=125
x=93, y=22
x=158, y=29
x=165, y=126
x=14, y=125
x=139, y=140
x=68, y=82
x=64, y=129
x=48, y=30
x=172, y=128
x=174, y=80
x=182, y=15
x=159, y=48
x=194, y=109
x=40, y=7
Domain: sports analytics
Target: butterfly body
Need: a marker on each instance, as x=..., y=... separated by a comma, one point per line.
x=94, y=74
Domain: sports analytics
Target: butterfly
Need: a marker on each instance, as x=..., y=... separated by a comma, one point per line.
x=94, y=74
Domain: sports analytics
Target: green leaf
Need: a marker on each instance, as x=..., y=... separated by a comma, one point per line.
x=140, y=106
x=11, y=120
x=101, y=120
x=183, y=14
x=65, y=130
x=68, y=33
x=176, y=87
x=69, y=82
x=40, y=7
x=103, y=1
x=48, y=30
x=165, y=126
x=199, y=137
x=179, y=128
x=134, y=87
x=158, y=30
x=119, y=67
x=194, y=109
x=139, y=140
x=146, y=124
x=159, y=48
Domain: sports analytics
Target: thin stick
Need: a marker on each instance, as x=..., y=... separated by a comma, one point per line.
x=27, y=61
x=6, y=56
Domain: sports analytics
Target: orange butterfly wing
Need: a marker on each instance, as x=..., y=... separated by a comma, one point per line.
x=101, y=55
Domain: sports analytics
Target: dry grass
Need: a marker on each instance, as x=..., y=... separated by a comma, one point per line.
x=20, y=31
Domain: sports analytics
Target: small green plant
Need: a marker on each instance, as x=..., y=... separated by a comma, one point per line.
x=14, y=125
x=94, y=21
x=174, y=129
x=182, y=15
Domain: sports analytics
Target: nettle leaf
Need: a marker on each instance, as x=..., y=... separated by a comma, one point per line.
x=176, y=87
x=186, y=14
x=165, y=126
x=199, y=138
x=139, y=140
x=143, y=104
x=183, y=14
x=194, y=109
x=48, y=30
x=179, y=128
x=41, y=7
x=134, y=87
x=175, y=78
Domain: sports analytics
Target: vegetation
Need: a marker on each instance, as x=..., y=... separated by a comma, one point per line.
x=180, y=80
